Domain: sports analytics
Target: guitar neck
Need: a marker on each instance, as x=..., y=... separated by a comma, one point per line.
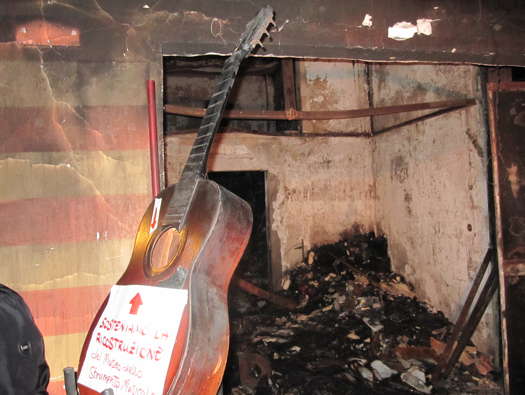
x=198, y=157
x=195, y=167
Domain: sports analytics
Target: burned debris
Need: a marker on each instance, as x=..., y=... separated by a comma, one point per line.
x=357, y=328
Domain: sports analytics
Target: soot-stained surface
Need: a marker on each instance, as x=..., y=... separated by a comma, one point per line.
x=358, y=329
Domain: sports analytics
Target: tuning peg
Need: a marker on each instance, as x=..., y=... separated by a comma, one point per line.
x=260, y=43
x=271, y=27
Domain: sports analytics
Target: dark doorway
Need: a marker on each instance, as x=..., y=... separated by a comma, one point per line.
x=254, y=266
x=250, y=186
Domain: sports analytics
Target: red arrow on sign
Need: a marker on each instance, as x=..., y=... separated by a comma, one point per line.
x=154, y=219
x=135, y=303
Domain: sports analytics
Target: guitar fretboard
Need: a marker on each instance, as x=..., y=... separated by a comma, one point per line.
x=195, y=167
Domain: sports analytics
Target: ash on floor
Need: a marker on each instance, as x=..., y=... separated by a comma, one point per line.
x=358, y=329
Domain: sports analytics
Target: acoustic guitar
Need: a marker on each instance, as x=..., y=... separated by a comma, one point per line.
x=191, y=238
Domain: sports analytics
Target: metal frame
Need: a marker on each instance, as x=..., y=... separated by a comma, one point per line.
x=506, y=267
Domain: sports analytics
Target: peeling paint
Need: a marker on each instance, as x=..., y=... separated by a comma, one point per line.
x=367, y=21
x=399, y=169
x=424, y=26
x=401, y=31
x=514, y=177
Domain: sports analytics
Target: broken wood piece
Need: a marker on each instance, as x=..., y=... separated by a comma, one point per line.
x=420, y=353
x=269, y=296
x=397, y=289
x=483, y=364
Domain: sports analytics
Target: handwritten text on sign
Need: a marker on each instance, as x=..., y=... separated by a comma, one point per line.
x=131, y=346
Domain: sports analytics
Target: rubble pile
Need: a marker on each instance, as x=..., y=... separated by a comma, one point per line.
x=357, y=329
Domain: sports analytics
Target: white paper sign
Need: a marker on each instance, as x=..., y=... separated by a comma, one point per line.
x=130, y=348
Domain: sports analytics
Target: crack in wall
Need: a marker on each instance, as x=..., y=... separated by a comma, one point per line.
x=67, y=149
x=474, y=141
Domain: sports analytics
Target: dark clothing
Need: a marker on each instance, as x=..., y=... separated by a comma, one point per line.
x=23, y=368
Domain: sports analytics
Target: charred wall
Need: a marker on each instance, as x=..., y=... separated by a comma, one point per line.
x=422, y=186
x=316, y=187
x=74, y=161
x=431, y=185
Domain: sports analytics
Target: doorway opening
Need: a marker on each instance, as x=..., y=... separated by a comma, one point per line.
x=254, y=265
x=251, y=186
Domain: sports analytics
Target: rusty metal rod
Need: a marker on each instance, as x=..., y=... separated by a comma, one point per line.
x=422, y=118
x=467, y=320
x=153, y=139
x=486, y=295
x=293, y=114
x=70, y=381
x=286, y=133
x=261, y=293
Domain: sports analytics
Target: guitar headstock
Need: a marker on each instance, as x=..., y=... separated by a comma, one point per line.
x=256, y=29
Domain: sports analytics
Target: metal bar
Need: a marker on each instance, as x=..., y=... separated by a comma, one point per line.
x=271, y=297
x=459, y=325
x=287, y=133
x=418, y=119
x=485, y=296
x=70, y=381
x=153, y=139
x=292, y=114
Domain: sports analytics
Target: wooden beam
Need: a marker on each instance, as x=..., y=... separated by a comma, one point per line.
x=288, y=75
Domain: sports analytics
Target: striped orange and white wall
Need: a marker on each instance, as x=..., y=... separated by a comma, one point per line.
x=74, y=182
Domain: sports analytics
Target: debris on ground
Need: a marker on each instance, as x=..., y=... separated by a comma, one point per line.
x=357, y=329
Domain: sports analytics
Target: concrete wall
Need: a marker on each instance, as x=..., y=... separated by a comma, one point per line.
x=329, y=85
x=431, y=185
x=423, y=186
x=317, y=187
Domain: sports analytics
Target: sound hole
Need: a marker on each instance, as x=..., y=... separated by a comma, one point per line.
x=166, y=248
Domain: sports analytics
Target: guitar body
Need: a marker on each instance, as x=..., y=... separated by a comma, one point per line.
x=192, y=237
x=217, y=230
